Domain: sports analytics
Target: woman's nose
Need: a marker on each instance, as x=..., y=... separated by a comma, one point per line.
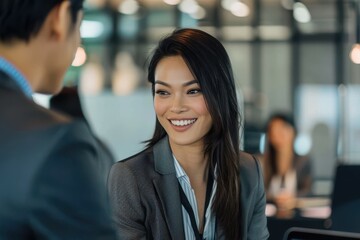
x=178, y=105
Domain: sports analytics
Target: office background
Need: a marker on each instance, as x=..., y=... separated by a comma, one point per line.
x=287, y=55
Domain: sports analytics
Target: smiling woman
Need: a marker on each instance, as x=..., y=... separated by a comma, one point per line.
x=192, y=182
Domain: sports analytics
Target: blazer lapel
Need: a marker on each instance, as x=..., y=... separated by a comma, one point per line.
x=167, y=188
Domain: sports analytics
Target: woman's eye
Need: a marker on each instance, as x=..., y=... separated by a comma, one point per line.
x=161, y=92
x=194, y=91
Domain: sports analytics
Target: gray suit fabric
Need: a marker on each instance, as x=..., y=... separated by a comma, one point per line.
x=50, y=183
x=146, y=201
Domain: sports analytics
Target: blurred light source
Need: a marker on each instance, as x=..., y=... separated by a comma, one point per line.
x=302, y=145
x=355, y=51
x=262, y=143
x=199, y=14
x=92, y=78
x=236, y=7
x=129, y=7
x=172, y=2
x=301, y=13
x=80, y=57
x=287, y=4
x=226, y=4
x=189, y=6
x=91, y=29
x=239, y=9
x=126, y=75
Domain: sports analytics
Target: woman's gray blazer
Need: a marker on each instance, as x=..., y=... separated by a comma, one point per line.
x=146, y=202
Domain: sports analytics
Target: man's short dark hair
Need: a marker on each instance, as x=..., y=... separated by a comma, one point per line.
x=22, y=19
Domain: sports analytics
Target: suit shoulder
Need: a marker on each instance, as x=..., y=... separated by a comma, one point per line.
x=23, y=120
x=248, y=160
x=24, y=114
x=138, y=168
x=39, y=115
x=137, y=161
x=250, y=168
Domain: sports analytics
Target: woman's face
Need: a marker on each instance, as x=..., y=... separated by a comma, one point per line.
x=179, y=103
x=280, y=134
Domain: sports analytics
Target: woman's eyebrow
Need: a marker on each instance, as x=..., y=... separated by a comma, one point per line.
x=190, y=83
x=185, y=84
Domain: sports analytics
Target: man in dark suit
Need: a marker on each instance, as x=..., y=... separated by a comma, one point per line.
x=67, y=101
x=50, y=183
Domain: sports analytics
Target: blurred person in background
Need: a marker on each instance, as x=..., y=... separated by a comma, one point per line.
x=287, y=175
x=50, y=183
x=192, y=182
x=67, y=101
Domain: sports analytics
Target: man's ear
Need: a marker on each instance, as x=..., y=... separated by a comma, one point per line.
x=59, y=21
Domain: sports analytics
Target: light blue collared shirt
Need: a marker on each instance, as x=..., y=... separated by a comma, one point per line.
x=16, y=75
x=210, y=224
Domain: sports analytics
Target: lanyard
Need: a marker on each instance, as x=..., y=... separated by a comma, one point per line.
x=189, y=210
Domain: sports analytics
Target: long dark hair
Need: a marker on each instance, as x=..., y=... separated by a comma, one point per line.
x=210, y=65
x=271, y=153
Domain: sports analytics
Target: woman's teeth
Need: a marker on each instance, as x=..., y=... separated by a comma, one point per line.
x=182, y=122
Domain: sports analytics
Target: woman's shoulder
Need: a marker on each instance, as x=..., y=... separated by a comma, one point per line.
x=134, y=163
x=248, y=161
x=250, y=169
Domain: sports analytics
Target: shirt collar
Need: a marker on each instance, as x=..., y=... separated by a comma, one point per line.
x=16, y=75
x=180, y=172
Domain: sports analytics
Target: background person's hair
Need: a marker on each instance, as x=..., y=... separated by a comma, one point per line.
x=22, y=19
x=210, y=65
x=285, y=117
x=271, y=153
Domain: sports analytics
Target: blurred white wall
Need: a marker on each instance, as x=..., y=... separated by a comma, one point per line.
x=122, y=122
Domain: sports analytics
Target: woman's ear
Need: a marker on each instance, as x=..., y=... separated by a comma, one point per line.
x=60, y=21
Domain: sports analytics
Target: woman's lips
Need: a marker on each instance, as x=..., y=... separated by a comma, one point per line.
x=181, y=125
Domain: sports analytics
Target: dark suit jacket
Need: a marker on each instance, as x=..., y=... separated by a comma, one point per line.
x=50, y=185
x=146, y=201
